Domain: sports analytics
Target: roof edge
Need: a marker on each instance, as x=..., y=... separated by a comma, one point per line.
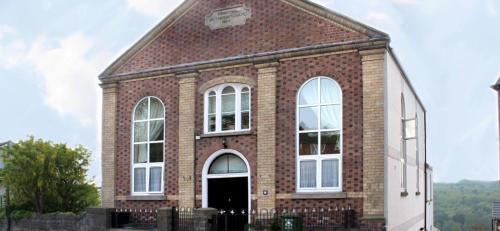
x=339, y=18
x=148, y=37
x=186, y=5
x=405, y=76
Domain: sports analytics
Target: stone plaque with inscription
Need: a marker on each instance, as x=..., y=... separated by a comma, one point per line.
x=228, y=17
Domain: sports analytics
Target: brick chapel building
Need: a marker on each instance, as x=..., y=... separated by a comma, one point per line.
x=261, y=104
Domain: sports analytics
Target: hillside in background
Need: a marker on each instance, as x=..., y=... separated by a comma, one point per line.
x=464, y=206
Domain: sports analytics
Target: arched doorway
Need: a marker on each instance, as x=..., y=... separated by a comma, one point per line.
x=226, y=181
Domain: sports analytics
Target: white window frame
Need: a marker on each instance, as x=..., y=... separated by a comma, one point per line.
x=148, y=165
x=218, y=108
x=318, y=158
x=404, y=154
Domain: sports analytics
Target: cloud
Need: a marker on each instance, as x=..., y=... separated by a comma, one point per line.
x=69, y=75
x=11, y=50
x=154, y=8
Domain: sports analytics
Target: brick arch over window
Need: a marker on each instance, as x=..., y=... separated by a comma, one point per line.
x=226, y=79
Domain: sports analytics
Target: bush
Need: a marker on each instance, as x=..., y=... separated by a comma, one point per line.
x=44, y=177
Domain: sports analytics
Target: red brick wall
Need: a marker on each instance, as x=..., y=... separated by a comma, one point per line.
x=129, y=94
x=346, y=70
x=245, y=144
x=189, y=40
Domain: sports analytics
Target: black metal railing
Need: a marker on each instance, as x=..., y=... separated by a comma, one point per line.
x=321, y=219
x=182, y=219
x=134, y=218
x=231, y=220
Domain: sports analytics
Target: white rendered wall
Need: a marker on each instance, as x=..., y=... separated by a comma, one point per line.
x=403, y=212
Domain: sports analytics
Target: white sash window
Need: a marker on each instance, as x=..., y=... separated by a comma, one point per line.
x=319, y=136
x=227, y=108
x=148, y=129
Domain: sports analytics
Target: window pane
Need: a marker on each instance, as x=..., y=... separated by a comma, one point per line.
x=308, y=174
x=219, y=166
x=309, y=93
x=228, y=103
x=139, y=180
x=228, y=122
x=228, y=90
x=330, y=92
x=308, y=143
x=308, y=118
x=330, y=117
x=330, y=142
x=212, y=93
x=245, y=120
x=245, y=101
x=140, y=131
x=156, y=153
x=236, y=164
x=330, y=173
x=157, y=110
x=140, y=153
x=211, y=123
x=155, y=179
x=211, y=105
x=156, y=130
x=141, y=111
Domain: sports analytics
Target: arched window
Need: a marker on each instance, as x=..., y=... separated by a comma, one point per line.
x=228, y=164
x=319, y=136
x=404, y=184
x=227, y=108
x=148, y=146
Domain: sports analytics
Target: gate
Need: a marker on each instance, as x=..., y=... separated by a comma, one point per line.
x=230, y=221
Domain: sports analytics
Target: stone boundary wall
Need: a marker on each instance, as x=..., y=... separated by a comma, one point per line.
x=95, y=219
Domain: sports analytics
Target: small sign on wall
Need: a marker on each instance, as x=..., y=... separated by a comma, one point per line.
x=228, y=17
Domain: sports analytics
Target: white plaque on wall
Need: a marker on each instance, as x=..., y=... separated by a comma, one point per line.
x=228, y=17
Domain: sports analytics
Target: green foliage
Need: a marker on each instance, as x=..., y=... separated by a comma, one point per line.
x=44, y=177
x=464, y=206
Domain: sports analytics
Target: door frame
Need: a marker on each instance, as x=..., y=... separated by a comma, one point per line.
x=206, y=176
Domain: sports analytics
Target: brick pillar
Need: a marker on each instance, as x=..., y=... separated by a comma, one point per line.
x=266, y=136
x=187, y=94
x=109, y=120
x=202, y=219
x=97, y=219
x=164, y=219
x=373, y=133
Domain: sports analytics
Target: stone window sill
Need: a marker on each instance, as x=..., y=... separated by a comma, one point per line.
x=147, y=198
x=222, y=134
x=333, y=195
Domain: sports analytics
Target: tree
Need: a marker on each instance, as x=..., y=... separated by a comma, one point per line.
x=45, y=177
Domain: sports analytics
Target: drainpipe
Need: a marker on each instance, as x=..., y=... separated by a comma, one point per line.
x=425, y=172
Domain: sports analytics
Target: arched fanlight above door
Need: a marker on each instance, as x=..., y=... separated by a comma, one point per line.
x=227, y=164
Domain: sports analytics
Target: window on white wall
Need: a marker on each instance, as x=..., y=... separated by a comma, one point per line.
x=227, y=108
x=404, y=159
x=148, y=146
x=319, y=136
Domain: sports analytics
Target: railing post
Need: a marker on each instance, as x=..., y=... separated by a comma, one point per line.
x=166, y=219
x=202, y=218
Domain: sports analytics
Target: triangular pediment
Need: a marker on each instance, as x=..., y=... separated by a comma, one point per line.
x=203, y=30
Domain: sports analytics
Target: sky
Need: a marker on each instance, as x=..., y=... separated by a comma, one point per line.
x=52, y=51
